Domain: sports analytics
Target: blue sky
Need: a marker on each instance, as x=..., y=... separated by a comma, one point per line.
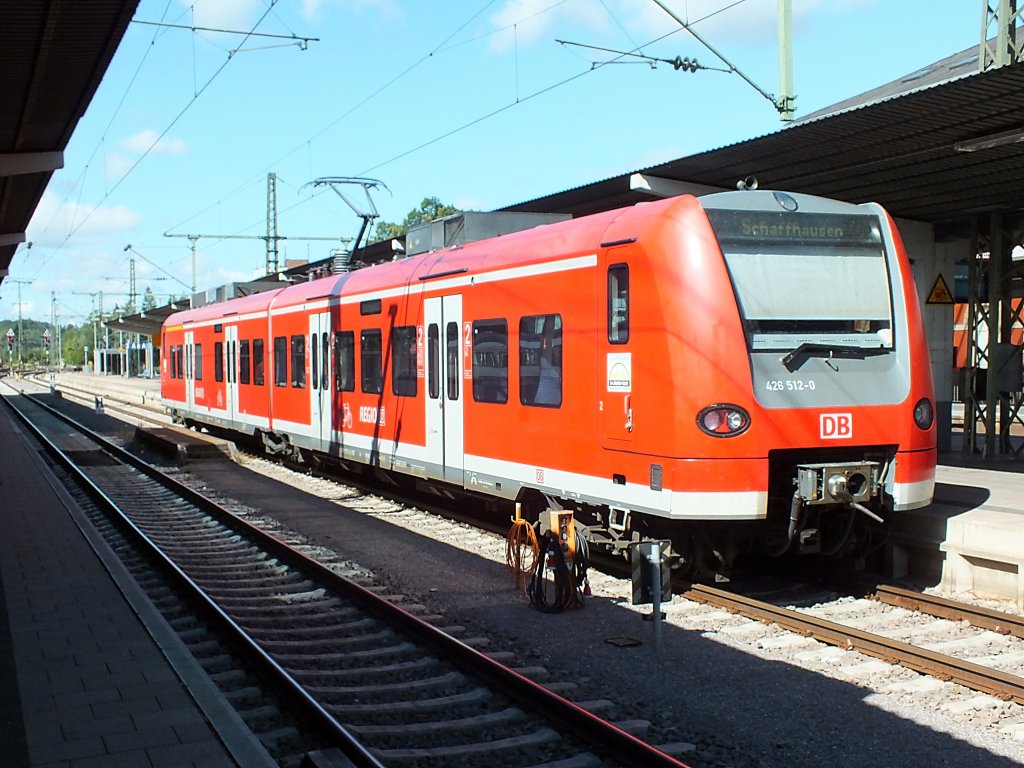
x=472, y=101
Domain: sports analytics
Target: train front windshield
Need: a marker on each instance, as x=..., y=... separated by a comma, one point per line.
x=805, y=280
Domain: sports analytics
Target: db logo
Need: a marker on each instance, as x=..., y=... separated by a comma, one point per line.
x=836, y=426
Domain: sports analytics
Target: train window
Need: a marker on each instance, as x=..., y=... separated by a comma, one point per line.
x=618, y=303
x=490, y=361
x=232, y=356
x=451, y=353
x=403, y=361
x=243, y=361
x=540, y=360
x=299, y=361
x=218, y=361
x=433, y=362
x=314, y=363
x=325, y=366
x=257, y=362
x=833, y=288
x=181, y=359
x=197, y=354
x=174, y=363
x=280, y=361
x=371, y=307
x=371, y=362
x=344, y=361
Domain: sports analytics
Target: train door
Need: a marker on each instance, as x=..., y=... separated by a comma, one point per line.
x=320, y=379
x=617, y=353
x=190, y=377
x=445, y=387
x=231, y=370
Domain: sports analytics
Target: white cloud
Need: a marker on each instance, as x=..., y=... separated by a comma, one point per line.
x=54, y=221
x=115, y=166
x=316, y=9
x=524, y=22
x=721, y=22
x=149, y=140
x=224, y=14
x=469, y=204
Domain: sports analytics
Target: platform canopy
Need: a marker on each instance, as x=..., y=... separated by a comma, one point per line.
x=53, y=55
x=938, y=145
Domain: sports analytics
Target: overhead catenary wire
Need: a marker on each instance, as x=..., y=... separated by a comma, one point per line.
x=535, y=94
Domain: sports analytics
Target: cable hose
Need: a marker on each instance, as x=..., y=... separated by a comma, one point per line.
x=569, y=584
x=521, y=553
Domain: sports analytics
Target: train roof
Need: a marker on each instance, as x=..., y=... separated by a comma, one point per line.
x=582, y=235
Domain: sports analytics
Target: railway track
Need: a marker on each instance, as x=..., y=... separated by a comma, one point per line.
x=945, y=666
x=376, y=681
x=976, y=669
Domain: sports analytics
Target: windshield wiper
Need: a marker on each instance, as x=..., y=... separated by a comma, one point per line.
x=799, y=356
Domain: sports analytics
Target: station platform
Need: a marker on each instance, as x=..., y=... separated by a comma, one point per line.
x=91, y=675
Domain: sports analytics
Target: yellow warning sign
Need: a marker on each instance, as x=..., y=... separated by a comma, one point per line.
x=940, y=292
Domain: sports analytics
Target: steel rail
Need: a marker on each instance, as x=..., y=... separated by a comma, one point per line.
x=945, y=608
x=942, y=666
x=578, y=721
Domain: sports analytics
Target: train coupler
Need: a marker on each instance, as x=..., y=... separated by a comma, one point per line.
x=837, y=482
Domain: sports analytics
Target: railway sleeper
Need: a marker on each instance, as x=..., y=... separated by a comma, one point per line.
x=288, y=649
x=285, y=634
x=399, y=709
x=408, y=756
x=313, y=677
x=505, y=717
x=446, y=680
x=350, y=658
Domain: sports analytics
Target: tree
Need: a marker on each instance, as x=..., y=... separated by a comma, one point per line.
x=430, y=209
x=148, y=300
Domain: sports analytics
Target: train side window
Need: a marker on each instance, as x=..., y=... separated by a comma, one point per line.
x=218, y=361
x=540, y=360
x=314, y=363
x=280, y=361
x=174, y=362
x=433, y=362
x=490, y=361
x=243, y=361
x=403, y=361
x=257, y=362
x=232, y=357
x=197, y=365
x=371, y=362
x=299, y=361
x=181, y=360
x=452, y=337
x=344, y=361
x=325, y=350
x=618, y=303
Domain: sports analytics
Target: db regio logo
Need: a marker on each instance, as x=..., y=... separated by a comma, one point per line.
x=836, y=426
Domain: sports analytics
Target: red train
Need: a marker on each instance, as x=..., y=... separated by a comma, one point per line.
x=711, y=370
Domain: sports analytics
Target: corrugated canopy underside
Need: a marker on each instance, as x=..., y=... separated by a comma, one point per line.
x=893, y=146
x=53, y=54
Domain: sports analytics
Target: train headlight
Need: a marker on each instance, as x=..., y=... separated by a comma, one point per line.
x=723, y=420
x=924, y=413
